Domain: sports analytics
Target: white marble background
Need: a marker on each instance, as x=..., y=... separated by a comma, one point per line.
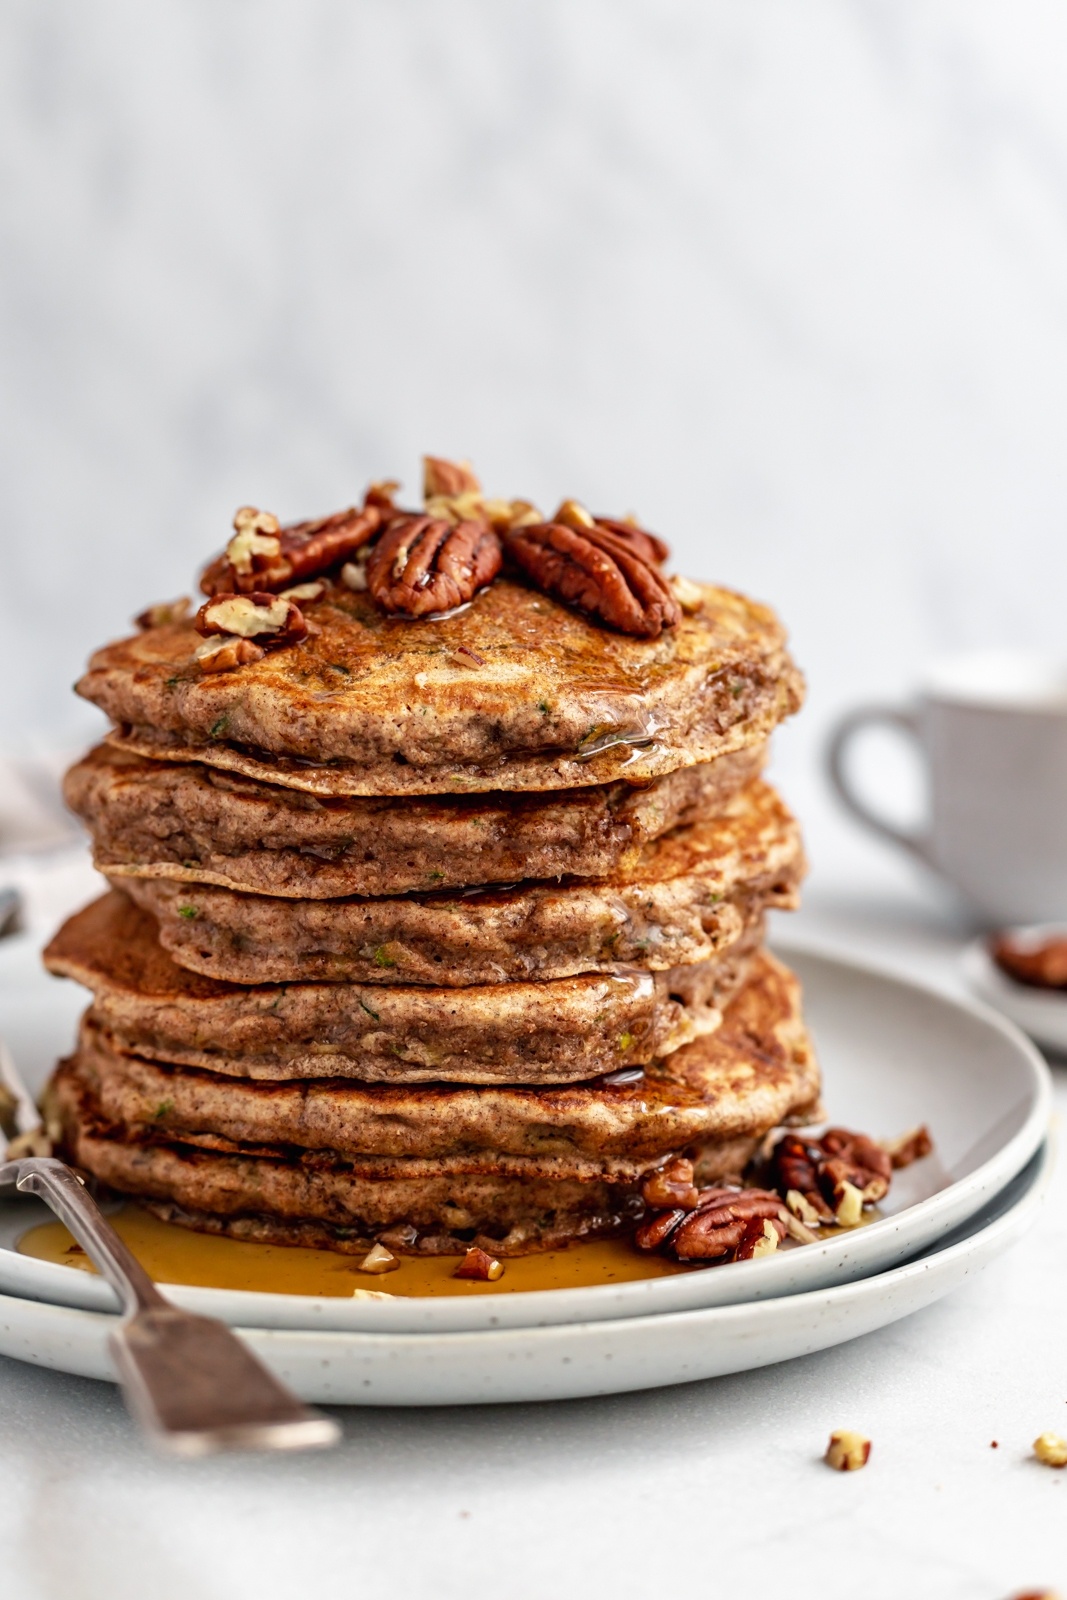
x=788, y=279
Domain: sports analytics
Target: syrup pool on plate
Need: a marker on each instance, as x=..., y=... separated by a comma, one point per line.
x=170, y=1254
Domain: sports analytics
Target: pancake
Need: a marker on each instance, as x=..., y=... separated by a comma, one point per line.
x=196, y=824
x=688, y=896
x=556, y=1032
x=513, y=692
x=756, y=1071
x=720, y=1087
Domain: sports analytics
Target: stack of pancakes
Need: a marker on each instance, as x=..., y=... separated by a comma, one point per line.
x=438, y=931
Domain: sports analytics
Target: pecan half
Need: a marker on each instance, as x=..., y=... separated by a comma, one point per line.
x=262, y=556
x=724, y=1222
x=832, y=1173
x=424, y=565
x=594, y=567
x=269, y=618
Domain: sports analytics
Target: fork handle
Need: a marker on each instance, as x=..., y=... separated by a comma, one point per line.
x=57, y=1185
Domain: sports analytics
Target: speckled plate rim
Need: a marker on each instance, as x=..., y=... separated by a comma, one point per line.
x=577, y=1360
x=891, y=1018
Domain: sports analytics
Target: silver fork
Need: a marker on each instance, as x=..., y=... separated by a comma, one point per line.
x=188, y=1380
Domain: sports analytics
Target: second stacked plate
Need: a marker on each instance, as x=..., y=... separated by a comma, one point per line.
x=894, y=1054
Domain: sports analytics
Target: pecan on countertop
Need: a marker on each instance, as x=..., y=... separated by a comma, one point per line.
x=423, y=565
x=607, y=569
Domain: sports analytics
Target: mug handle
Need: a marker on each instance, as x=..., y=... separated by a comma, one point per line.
x=904, y=721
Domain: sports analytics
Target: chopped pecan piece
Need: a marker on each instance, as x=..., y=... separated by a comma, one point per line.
x=688, y=595
x=38, y=1142
x=826, y=1171
x=304, y=593
x=164, y=611
x=477, y=1263
x=446, y=479
x=913, y=1146
x=400, y=1237
x=270, y=618
x=382, y=495
x=592, y=566
x=671, y=1186
x=761, y=1237
x=263, y=556
x=226, y=651
x=378, y=1259
x=424, y=565
x=847, y=1451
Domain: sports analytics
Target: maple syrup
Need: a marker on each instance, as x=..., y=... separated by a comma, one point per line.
x=170, y=1254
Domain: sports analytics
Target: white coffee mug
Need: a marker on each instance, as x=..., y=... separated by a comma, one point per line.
x=992, y=731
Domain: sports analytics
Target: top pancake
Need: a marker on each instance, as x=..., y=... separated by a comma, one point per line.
x=515, y=691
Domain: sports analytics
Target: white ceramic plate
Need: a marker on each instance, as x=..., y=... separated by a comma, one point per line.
x=1042, y=1013
x=893, y=1053
x=580, y=1359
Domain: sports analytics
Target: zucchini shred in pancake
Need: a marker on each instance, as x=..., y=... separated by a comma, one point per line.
x=425, y=930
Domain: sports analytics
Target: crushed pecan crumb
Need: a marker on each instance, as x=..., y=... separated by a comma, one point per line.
x=847, y=1451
